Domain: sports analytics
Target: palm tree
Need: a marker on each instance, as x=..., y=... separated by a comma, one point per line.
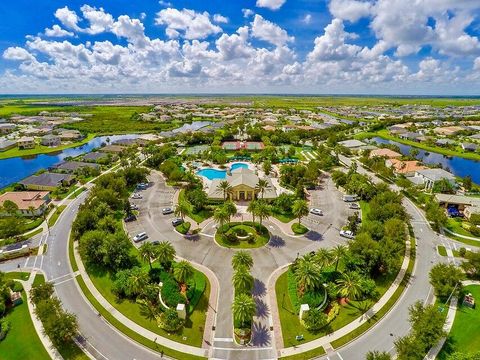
x=230, y=209
x=183, y=271
x=338, y=252
x=349, y=285
x=182, y=209
x=221, y=216
x=242, y=258
x=263, y=211
x=307, y=274
x=252, y=208
x=243, y=309
x=261, y=186
x=224, y=187
x=136, y=281
x=323, y=257
x=300, y=209
x=242, y=280
x=165, y=253
x=148, y=251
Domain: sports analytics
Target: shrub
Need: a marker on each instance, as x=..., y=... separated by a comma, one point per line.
x=475, y=230
x=333, y=312
x=315, y=320
x=313, y=299
x=462, y=252
x=17, y=287
x=183, y=228
x=170, y=321
x=5, y=327
x=171, y=292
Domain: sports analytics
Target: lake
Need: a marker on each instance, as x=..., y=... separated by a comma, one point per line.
x=15, y=169
x=456, y=165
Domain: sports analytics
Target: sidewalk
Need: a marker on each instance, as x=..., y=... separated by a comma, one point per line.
x=462, y=236
x=47, y=344
x=327, y=339
x=434, y=351
x=131, y=324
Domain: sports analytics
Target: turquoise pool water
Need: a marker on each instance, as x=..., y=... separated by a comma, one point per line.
x=212, y=174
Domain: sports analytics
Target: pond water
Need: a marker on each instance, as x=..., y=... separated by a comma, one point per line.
x=456, y=165
x=15, y=169
x=212, y=174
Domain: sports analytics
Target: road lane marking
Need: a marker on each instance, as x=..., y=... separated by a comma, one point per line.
x=223, y=339
x=340, y=356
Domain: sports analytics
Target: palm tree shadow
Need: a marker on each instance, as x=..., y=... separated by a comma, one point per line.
x=314, y=236
x=262, y=309
x=259, y=288
x=260, y=335
x=276, y=242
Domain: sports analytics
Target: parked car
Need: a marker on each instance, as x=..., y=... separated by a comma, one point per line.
x=142, y=186
x=354, y=206
x=155, y=242
x=140, y=237
x=347, y=233
x=177, y=221
x=130, y=218
x=349, y=198
x=136, y=196
x=316, y=211
x=134, y=206
x=167, y=211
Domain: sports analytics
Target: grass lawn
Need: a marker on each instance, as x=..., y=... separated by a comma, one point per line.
x=464, y=334
x=261, y=238
x=285, y=218
x=40, y=149
x=39, y=279
x=441, y=250
x=33, y=233
x=299, y=229
x=22, y=341
x=78, y=192
x=457, y=226
x=53, y=219
x=17, y=275
x=193, y=329
x=127, y=331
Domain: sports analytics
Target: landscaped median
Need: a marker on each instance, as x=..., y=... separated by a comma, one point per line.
x=56, y=214
x=246, y=235
x=349, y=312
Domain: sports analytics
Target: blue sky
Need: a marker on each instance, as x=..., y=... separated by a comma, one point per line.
x=247, y=46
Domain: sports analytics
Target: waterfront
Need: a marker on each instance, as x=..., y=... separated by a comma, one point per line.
x=456, y=165
x=15, y=169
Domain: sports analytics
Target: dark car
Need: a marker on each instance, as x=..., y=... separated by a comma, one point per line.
x=177, y=221
x=155, y=242
x=130, y=218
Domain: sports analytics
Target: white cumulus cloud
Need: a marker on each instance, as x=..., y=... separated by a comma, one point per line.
x=57, y=31
x=268, y=31
x=271, y=4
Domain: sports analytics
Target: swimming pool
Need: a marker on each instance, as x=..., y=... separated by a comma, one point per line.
x=212, y=174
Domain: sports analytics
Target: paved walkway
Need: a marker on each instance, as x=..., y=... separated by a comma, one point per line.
x=47, y=344
x=131, y=324
x=434, y=351
x=462, y=236
x=327, y=339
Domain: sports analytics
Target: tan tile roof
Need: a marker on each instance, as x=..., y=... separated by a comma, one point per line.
x=385, y=152
x=404, y=167
x=25, y=199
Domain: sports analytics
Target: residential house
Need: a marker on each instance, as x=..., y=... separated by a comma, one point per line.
x=70, y=135
x=465, y=204
x=404, y=167
x=243, y=184
x=6, y=128
x=47, y=181
x=412, y=136
x=50, y=140
x=6, y=144
x=72, y=166
x=26, y=142
x=444, y=142
x=113, y=149
x=431, y=176
x=387, y=153
x=95, y=156
x=353, y=145
x=469, y=147
x=448, y=130
x=29, y=203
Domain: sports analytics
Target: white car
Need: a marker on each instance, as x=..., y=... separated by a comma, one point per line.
x=136, y=196
x=140, y=237
x=347, y=233
x=354, y=206
x=316, y=211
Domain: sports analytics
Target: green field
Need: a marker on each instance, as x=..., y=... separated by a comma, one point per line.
x=22, y=341
x=58, y=211
x=464, y=335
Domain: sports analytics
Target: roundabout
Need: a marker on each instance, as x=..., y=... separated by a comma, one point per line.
x=246, y=235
